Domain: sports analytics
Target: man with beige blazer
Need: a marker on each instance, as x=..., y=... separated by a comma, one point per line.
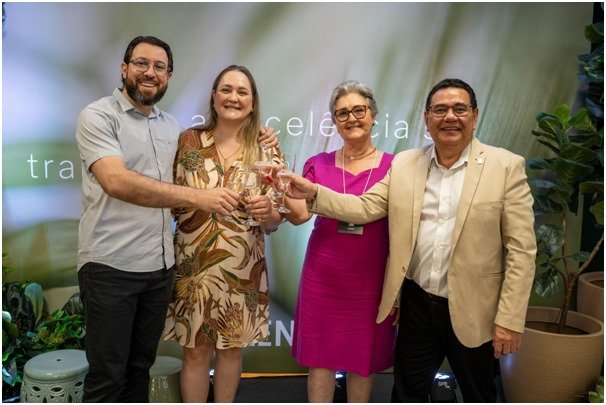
x=462, y=248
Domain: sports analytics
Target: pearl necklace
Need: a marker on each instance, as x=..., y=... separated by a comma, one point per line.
x=350, y=157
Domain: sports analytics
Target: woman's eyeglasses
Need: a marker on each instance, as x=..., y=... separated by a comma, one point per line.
x=358, y=111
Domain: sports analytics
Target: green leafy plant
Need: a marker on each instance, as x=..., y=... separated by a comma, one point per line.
x=598, y=394
x=28, y=329
x=573, y=168
x=20, y=316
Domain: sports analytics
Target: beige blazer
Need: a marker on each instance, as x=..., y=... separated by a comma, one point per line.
x=493, y=254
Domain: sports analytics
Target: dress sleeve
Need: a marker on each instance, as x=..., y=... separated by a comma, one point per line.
x=178, y=169
x=308, y=169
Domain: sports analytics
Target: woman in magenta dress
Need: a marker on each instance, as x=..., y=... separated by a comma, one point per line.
x=342, y=276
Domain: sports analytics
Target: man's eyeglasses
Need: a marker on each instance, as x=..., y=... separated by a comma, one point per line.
x=141, y=65
x=358, y=111
x=440, y=110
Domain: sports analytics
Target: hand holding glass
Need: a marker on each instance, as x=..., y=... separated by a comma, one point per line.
x=236, y=184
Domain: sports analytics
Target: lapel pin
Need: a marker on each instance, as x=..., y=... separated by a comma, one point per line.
x=480, y=161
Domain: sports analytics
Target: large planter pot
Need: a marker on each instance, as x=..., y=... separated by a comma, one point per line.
x=590, y=294
x=552, y=367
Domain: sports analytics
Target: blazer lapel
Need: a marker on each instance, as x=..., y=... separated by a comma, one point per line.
x=421, y=172
x=473, y=172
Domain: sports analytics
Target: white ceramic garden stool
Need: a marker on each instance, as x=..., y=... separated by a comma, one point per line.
x=56, y=376
x=164, y=385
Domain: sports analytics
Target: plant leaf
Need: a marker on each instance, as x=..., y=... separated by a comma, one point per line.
x=550, y=124
x=590, y=187
x=541, y=183
x=594, y=33
x=562, y=113
x=598, y=211
x=582, y=121
x=34, y=293
x=579, y=256
x=550, y=237
x=10, y=328
x=539, y=164
x=545, y=205
x=546, y=284
x=569, y=171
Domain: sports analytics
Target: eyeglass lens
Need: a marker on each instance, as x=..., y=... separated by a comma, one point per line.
x=142, y=65
x=440, y=110
x=358, y=111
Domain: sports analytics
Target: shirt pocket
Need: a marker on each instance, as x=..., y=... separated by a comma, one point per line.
x=165, y=155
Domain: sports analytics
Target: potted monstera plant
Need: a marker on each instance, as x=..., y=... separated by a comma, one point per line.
x=562, y=350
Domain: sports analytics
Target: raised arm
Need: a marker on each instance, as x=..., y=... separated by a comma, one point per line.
x=127, y=185
x=345, y=207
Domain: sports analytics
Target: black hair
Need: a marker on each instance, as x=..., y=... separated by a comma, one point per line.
x=146, y=39
x=458, y=83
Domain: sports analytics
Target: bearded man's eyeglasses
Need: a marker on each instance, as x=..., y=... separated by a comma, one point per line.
x=142, y=65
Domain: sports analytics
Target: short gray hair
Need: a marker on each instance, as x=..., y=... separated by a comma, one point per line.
x=352, y=86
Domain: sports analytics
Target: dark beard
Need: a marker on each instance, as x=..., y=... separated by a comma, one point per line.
x=139, y=98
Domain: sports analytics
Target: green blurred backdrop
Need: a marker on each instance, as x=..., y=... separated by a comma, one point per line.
x=520, y=58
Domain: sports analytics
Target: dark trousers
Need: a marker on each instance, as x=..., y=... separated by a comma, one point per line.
x=425, y=337
x=125, y=315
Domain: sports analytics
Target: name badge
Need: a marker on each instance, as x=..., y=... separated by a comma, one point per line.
x=346, y=227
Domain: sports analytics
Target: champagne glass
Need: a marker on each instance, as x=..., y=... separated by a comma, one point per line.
x=236, y=183
x=263, y=165
x=284, y=176
x=252, y=188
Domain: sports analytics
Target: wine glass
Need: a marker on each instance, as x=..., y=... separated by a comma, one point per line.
x=284, y=176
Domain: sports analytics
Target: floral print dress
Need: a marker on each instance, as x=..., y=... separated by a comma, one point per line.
x=221, y=292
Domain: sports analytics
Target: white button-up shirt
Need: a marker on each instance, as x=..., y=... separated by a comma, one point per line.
x=431, y=257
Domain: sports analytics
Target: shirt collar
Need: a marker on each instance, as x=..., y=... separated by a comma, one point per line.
x=463, y=159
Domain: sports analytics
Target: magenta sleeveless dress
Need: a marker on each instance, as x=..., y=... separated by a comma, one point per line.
x=341, y=283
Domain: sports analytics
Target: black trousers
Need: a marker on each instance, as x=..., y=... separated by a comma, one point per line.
x=425, y=337
x=125, y=315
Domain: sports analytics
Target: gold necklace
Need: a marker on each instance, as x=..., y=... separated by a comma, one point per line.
x=374, y=162
x=350, y=157
x=225, y=159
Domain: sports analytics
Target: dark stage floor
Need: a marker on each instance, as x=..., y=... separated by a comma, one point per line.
x=294, y=389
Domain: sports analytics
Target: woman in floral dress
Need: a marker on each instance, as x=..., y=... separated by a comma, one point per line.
x=220, y=299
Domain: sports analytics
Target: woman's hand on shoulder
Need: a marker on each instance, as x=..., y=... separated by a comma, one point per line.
x=268, y=137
